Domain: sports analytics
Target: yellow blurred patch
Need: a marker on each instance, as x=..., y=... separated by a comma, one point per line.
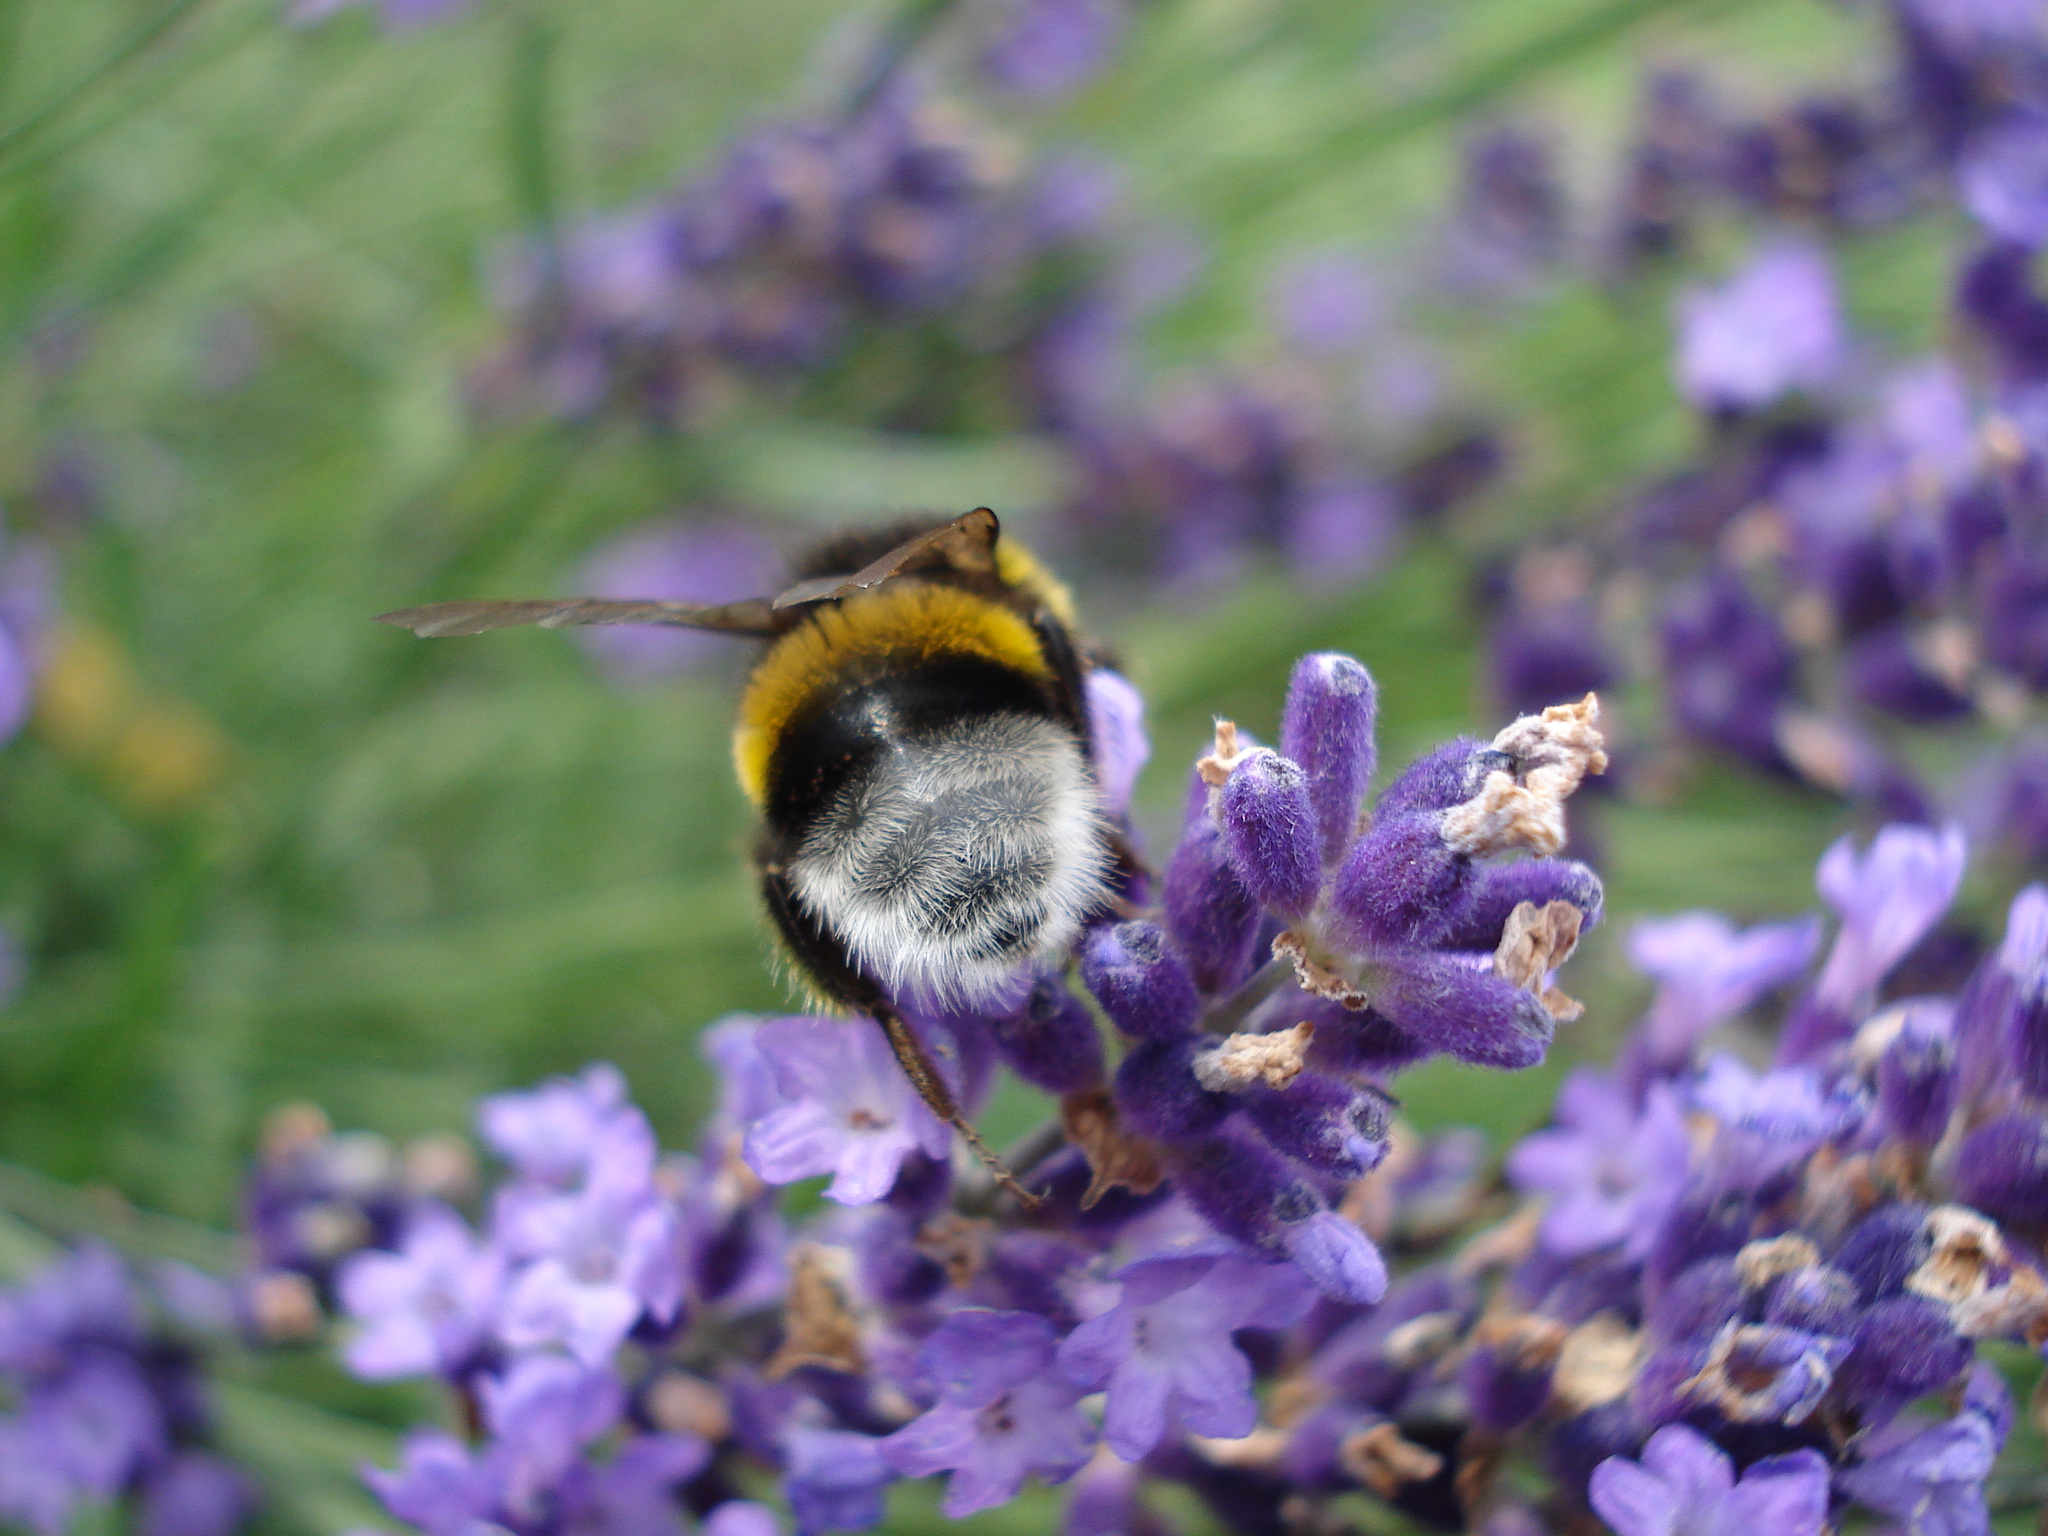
x=158, y=755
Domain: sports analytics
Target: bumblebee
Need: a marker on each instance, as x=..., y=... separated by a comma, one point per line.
x=915, y=737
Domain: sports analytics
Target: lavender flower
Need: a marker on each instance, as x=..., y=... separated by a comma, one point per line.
x=1613, y=1172
x=1685, y=1484
x=1773, y=327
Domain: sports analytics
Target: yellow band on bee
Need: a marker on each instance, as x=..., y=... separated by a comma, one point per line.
x=907, y=618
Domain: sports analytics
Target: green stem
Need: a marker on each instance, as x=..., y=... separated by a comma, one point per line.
x=62, y=1211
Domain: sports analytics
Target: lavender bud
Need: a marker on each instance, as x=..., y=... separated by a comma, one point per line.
x=1697, y=1302
x=2002, y=1170
x=1883, y=1249
x=1446, y=777
x=1354, y=1041
x=1051, y=1042
x=1139, y=981
x=1916, y=1080
x=1507, y=1376
x=1212, y=918
x=1470, y=1014
x=1160, y=1097
x=1328, y=728
x=1817, y=1299
x=1495, y=890
x=1324, y=1123
x=1904, y=1348
x=1269, y=827
x=1399, y=886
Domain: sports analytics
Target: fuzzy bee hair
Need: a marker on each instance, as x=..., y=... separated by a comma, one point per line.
x=953, y=859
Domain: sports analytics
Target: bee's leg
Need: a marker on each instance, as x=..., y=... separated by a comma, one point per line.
x=825, y=961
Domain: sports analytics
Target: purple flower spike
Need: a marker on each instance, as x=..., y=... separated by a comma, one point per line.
x=1400, y=885
x=834, y=1479
x=1116, y=728
x=1887, y=900
x=427, y=1308
x=1139, y=981
x=1213, y=920
x=851, y=1111
x=1328, y=726
x=1005, y=1410
x=1270, y=828
x=1464, y=1011
x=1685, y=1486
x=1775, y=326
x=1613, y=1174
x=1164, y=1351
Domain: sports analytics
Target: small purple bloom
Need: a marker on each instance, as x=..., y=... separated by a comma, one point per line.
x=1931, y=1479
x=550, y=1133
x=1328, y=726
x=1116, y=726
x=1047, y=48
x=1005, y=1410
x=1164, y=1351
x=196, y=1495
x=1708, y=971
x=1612, y=1173
x=426, y=1308
x=1887, y=899
x=1773, y=327
x=833, y=1479
x=1139, y=981
x=1767, y=1122
x=1685, y=1486
x=1270, y=827
x=850, y=1112
x=542, y=1413
x=440, y=1486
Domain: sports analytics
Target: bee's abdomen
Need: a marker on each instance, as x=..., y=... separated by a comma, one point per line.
x=940, y=842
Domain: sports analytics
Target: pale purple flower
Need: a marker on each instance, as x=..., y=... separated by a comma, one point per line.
x=635, y=1492
x=833, y=1479
x=1768, y=1121
x=1772, y=327
x=1685, y=1486
x=717, y=562
x=1928, y=416
x=551, y=1133
x=599, y=1258
x=397, y=15
x=99, y=1423
x=1116, y=725
x=1327, y=303
x=1047, y=48
x=1005, y=1411
x=439, y=1485
x=85, y=1297
x=746, y=1082
x=1341, y=531
x=2003, y=180
x=1164, y=1351
x=1708, y=971
x=1887, y=899
x=196, y=1495
x=542, y=1413
x=850, y=1112
x=1932, y=1480
x=1612, y=1173
x=742, y=1517
x=427, y=1308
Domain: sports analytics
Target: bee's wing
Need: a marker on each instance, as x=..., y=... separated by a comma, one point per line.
x=967, y=543
x=752, y=617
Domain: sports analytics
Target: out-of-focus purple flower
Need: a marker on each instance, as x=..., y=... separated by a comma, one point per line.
x=1005, y=1411
x=1508, y=222
x=1341, y=531
x=439, y=1485
x=834, y=1479
x=1931, y=1479
x=1046, y=48
x=429, y=1307
x=717, y=562
x=850, y=1111
x=552, y=1133
x=1612, y=1172
x=542, y=1413
x=2004, y=180
x=1774, y=326
x=1164, y=1351
x=1116, y=725
x=1708, y=971
x=1327, y=304
x=1887, y=899
x=1768, y=1121
x=1686, y=1484
x=397, y=15
x=196, y=1495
